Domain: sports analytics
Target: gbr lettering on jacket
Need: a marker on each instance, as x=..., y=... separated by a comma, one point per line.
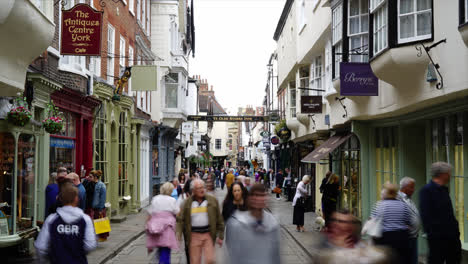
x=68, y=229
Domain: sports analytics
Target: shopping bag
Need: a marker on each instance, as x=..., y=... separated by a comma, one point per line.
x=102, y=225
x=277, y=190
x=373, y=227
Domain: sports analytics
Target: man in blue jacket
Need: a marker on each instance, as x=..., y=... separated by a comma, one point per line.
x=439, y=222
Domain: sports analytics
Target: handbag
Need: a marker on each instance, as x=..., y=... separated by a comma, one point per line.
x=373, y=227
x=301, y=201
x=102, y=225
x=277, y=190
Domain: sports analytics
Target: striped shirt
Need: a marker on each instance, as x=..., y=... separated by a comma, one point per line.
x=199, y=217
x=395, y=215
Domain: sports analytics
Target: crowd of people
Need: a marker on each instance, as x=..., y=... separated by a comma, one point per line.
x=187, y=211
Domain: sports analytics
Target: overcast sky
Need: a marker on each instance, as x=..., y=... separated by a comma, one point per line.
x=234, y=41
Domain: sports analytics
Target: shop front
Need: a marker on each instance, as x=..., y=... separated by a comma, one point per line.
x=24, y=159
x=72, y=147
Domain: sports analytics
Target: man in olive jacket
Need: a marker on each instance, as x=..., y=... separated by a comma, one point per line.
x=201, y=223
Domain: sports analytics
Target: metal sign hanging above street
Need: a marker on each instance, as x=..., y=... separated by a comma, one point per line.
x=211, y=118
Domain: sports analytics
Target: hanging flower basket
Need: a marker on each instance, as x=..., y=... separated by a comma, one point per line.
x=20, y=114
x=52, y=124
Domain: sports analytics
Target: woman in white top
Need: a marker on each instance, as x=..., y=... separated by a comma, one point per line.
x=298, y=203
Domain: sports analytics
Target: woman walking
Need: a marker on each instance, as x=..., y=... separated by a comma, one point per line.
x=99, y=200
x=89, y=185
x=235, y=200
x=299, y=203
x=395, y=216
x=161, y=224
x=330, y=195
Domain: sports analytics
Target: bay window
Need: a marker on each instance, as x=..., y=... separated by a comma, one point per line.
x=358, y=26
x=337, y=38
x=304, y=73
x=414, y=20
x=316, y=82
x=172, y=85
x=292, y=98
x=380, y=30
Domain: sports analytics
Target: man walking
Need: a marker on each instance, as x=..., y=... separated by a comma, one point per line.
x=68, y=235
x=201, y=223
x=253, y=236
x=407, y=186
x=218, y=176
x=75, y=179
x=222, y=177
x=279, y=182
x=439, y=222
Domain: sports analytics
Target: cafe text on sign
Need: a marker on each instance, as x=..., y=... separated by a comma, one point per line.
x=81, y=31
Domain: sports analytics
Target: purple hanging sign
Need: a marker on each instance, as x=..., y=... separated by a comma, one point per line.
x=357, y=79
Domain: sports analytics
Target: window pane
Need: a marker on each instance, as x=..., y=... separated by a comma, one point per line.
x=26, y=174
x=364, y=23
x=7, y=156
x=354, y=7
x=364, y=6
x=354, y=25
x=406, y=6
x=424, y=24
x=407, y=26
x=171, y=95
x=423, y=5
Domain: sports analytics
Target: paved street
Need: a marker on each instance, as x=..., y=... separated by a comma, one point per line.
x=291, y=251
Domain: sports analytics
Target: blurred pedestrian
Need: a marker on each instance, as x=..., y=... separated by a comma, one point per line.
x=75, y=179
x=217, y=173
x=299, y=203
x=247, y=183
x=396, y=219
x=161, y=224
x=99, y=200
x=253, y=236
x=177, y=190
x=407, y=186
x=324, y=181
x=439, y=222
x=61, y=180
x=201, y=223
x=222, y=178
x=51, y=193
x=279, y=182
x=230, y=178
x=331, y=191
x=210, y=184
x=236, y=199
x=68, y=235
x=89, y=184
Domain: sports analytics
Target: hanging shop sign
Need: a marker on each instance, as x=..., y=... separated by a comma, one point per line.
x=265, y=134
x=228, y=118
x=187, y=127
x=81, y=31
x=357, y=79
x=274, y=117
x=62, y=143
x=311, y=104
x=275, y=140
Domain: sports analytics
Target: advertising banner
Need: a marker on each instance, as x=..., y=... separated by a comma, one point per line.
x=81, y=31
x=311, y=104
x=357, y=79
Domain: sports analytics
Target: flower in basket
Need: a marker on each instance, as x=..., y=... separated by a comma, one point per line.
x=52, y=124
x=19, y=115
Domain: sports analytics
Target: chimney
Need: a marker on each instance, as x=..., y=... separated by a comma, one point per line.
x=211, y=87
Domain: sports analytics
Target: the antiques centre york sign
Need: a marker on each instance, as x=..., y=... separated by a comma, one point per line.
x=357, y=79
x=81, y=31
x=228, y=118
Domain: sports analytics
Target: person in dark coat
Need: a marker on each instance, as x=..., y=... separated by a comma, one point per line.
x=279, y=181
x=330, y=195
x=235, y=200
x=439, y=222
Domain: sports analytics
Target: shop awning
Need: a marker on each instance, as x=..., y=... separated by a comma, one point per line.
x=322, y=151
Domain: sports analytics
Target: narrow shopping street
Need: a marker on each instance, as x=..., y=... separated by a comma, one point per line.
x=294, y=245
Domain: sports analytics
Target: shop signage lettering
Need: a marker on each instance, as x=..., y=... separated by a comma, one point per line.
x=311, y=104
x=357, y=79
x=62, y=143
x=81, y=31
x=228, y=118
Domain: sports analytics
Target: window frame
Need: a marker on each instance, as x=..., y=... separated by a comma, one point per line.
x=292, y=103
x=339, y=35
x=462, y=13
x=131, y=7
x=307, y=78
x=218, y=144
x=314, y=78
x=173, y=84
x=122, y=51
x=110, y=55
x=383, y=6
x=415, y=14
x=362, y=34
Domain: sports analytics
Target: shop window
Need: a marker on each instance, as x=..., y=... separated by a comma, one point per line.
x=386, y=156
x=100, y=142
x=7, y=158
x=62, y=145
x=25, y=180
x=458, y=171
x=123, y=154
x=439, y=140
x=414, y=20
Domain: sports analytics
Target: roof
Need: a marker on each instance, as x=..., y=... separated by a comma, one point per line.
x=204, y=105
x=283, y=18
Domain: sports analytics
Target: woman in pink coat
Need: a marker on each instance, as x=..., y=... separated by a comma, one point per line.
x=161, y=224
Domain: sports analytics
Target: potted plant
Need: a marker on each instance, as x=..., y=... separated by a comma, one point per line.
x=54, y=123
x=20, y=114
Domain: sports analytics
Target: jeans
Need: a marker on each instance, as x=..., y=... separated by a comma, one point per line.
x=164, y=255
x=217, y=182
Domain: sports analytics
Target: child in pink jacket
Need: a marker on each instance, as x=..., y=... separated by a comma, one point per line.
x=161, y=224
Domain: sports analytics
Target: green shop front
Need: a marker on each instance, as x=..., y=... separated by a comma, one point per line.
x=116, y=143
x=407, y=146
x=24, y=165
